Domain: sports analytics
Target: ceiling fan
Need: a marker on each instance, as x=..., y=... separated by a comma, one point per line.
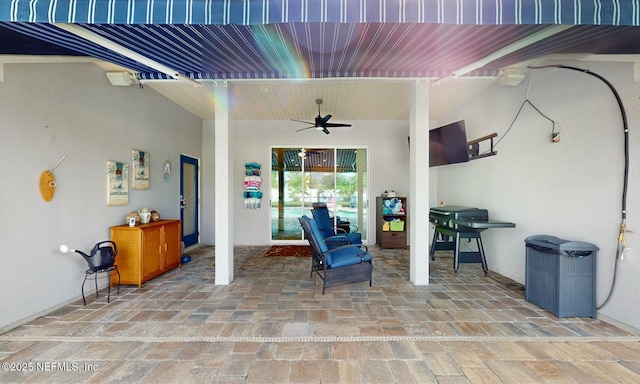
x=321, y=123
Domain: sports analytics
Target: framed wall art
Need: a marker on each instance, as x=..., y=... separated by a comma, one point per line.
x=117, y=183
x=140, y=162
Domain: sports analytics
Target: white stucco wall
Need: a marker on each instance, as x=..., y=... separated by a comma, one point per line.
x=388, y=164
x=47, y=112
x=571, y=189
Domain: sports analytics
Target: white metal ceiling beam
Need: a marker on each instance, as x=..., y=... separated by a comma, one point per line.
x=522, y=43
x=106, y=43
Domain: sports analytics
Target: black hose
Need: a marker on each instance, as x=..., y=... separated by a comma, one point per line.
x=620, y=248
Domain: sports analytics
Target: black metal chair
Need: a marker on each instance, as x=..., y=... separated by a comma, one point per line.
x=101, y=260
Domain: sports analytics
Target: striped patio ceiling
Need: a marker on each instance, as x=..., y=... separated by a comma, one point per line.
x=253, y=12
x=315, y=160
x=286, y=39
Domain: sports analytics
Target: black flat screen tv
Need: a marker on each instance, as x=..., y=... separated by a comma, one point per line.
x=448, y=144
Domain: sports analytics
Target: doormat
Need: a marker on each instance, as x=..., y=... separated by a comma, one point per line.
x=289, y=250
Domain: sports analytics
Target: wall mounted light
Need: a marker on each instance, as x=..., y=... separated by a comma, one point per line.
x=122, y=79
x=511, y=77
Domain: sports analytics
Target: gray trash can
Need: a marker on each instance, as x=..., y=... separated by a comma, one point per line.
x=561, y=276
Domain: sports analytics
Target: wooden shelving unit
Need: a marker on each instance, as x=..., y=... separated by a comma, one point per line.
x=390, y=239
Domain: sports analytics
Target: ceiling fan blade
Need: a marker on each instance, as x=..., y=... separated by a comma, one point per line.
x=302, y=121
x=321, y=123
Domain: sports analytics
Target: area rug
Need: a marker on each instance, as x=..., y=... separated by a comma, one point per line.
x=289, y=250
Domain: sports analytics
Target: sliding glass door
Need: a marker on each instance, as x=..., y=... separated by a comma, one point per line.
x=301, y=177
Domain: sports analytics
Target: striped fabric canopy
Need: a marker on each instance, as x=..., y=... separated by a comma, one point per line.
x=253, y=12
x=299, y=39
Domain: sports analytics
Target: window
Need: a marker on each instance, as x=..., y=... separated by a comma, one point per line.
x=303, y=176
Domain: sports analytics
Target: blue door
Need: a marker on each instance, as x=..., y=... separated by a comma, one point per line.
x=189, y=200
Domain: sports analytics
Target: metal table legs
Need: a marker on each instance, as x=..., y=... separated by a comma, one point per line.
x=451, y=238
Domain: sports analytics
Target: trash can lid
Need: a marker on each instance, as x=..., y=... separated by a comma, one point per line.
x=557, y=244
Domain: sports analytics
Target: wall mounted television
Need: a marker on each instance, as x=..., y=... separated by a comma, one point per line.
x=448, y=144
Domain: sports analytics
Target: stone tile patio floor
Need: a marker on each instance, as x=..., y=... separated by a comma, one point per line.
x=273, y=325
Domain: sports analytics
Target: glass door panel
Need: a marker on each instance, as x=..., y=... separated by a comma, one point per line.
x=351, y=189
x=287, y=194
x=320, y=181
x=301, y=177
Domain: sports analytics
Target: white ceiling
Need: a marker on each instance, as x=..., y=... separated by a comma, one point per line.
x=345, y=99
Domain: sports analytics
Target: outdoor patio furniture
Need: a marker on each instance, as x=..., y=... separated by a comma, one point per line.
x=340, y=265
x=325, y=222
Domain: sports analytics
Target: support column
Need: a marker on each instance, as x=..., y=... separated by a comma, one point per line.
x=208, y=184
x=419, y=184
x=280, y=189
x=361, y=169
x=223, y=186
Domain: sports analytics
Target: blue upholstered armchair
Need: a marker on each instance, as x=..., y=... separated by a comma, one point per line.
x=326, y=225
x=340, y=265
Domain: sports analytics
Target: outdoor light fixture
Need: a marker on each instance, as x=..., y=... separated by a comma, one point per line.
x=123, y=79
x=106, y=43
x=511, y=77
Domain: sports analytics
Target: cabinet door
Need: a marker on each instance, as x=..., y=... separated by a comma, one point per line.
x=172, y=246
x=151, y=253
x=129, y=242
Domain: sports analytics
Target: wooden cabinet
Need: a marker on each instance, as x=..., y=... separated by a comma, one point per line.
x=147, y=250
x=385, y=212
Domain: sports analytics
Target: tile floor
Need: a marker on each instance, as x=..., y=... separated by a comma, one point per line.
x=273, y=325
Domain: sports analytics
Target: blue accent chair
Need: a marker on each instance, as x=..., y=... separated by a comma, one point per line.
x=340, y=265
x=321, y=215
